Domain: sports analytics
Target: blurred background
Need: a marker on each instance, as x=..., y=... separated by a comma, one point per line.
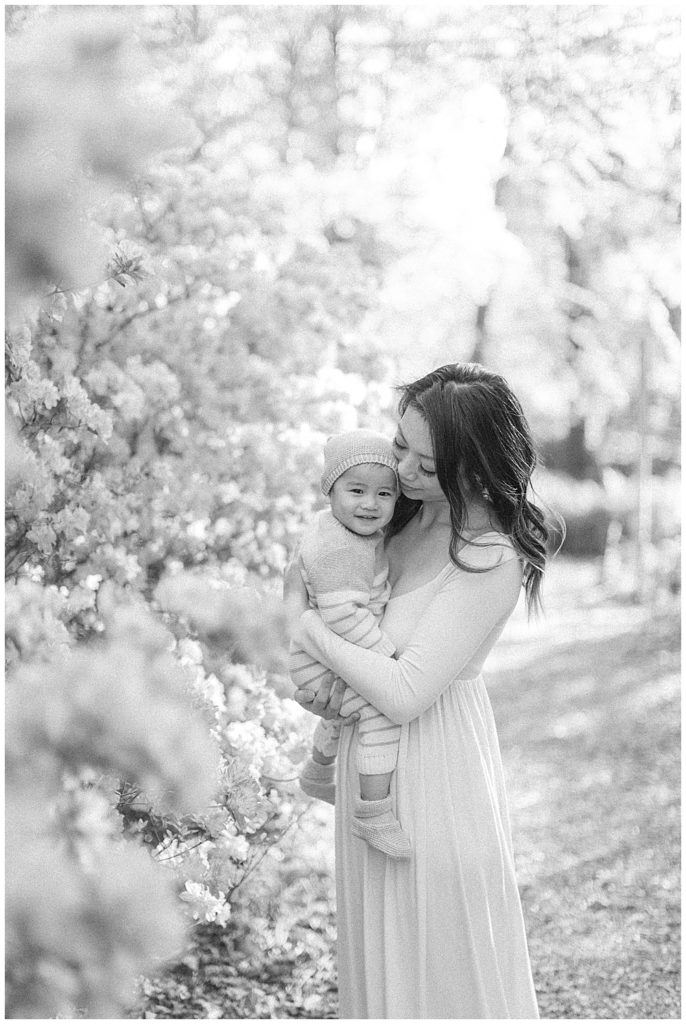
x=230, y=231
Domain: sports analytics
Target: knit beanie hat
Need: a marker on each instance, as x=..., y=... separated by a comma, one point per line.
x=354, y=448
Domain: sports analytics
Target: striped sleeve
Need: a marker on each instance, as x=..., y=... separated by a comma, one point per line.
x=343, y=582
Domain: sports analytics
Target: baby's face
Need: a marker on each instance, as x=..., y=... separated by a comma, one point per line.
x=363, y=498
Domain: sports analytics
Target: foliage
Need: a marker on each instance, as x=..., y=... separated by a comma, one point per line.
x=73, y=128
x=79, y=717
x=600, y=514
x=78, y=941
x=276, y=962
x=584, y=507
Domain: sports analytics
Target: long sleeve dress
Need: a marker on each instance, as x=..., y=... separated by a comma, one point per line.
x=440, y=935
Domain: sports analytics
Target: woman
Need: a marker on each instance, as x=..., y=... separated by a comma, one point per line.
x=440, y=935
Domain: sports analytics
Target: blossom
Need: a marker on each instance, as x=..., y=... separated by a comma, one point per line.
x=121, y=708
x=205, y=906
x=249, y=623
x=76, y=938
x=33, y=620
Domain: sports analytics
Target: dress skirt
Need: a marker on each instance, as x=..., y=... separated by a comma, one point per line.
x=442, y=934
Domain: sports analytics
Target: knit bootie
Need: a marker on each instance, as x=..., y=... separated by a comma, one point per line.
x=376, y=823
x=317, y=780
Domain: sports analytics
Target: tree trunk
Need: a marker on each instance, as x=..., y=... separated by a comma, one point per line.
x=480, y=333
x=644, y=504
x=291, y=53
x=333, y=123
x=582, y=463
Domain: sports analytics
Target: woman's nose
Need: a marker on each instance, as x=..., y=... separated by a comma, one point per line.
x=406, y=471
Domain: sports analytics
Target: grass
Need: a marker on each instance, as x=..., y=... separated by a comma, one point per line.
x=586, y=701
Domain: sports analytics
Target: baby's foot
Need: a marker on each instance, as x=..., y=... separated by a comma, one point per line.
x=317, y=780
x=376, y=823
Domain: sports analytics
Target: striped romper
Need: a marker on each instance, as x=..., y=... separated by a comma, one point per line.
x=346, y=576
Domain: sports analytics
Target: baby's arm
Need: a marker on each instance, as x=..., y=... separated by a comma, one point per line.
x=342, y=582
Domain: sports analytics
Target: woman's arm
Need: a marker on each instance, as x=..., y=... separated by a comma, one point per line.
x=460, y=618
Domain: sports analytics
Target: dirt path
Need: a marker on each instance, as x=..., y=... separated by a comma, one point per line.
x=586, y=702
x=588, y=716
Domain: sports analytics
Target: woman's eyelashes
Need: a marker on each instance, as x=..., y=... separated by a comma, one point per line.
x=382, y=494
x=402, y=448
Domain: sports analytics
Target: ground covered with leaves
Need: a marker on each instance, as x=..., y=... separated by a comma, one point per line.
x=586, y=701
x=587, y=704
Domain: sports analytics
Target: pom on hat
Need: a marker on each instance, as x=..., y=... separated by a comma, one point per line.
x=354, y=448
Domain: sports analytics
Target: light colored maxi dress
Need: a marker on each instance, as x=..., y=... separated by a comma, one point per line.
x=440, y=935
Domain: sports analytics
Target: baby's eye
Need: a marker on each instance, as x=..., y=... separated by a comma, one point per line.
x=397, y=443
x=427, y=472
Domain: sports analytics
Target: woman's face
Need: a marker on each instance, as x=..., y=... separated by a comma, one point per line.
x=416, y=465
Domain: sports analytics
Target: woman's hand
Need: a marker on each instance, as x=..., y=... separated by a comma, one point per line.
x=326, y=701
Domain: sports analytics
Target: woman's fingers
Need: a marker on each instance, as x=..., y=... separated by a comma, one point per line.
x=350, y=720
x=320, y=704
x=335, y=702
x=336, y=698
x=328, y=709
x=303, y=697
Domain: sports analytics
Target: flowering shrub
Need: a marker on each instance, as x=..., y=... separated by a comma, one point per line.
x=80, y=717
x=72, y=110
x=77, y=940
x=165, y=412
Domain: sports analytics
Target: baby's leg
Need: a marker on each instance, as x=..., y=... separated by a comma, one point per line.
x=317, y=776
x=377, y=753
x=375, y=787
x=325, y=742
x=377, y=757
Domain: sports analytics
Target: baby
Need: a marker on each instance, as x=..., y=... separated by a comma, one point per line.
x=345, y=569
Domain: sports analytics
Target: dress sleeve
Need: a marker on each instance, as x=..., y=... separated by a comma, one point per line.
x=466, y=610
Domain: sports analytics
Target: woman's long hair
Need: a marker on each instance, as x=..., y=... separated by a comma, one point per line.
x=482, y=444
